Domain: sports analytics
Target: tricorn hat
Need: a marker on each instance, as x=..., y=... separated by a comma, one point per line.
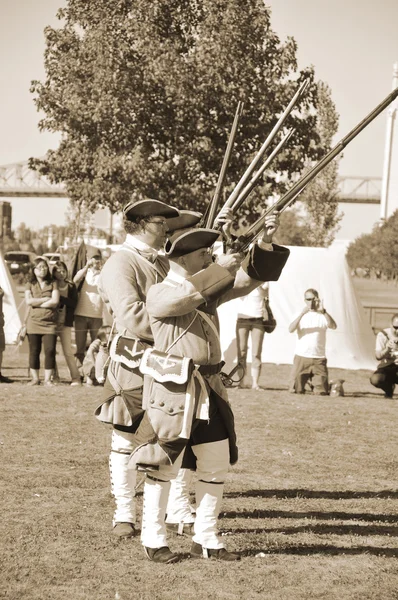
x=180, y=244
x=187, y=218
x=134, y=211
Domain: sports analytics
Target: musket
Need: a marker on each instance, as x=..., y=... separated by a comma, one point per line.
x=255, y=179
x=243, y=242
x=242, y=182
x=208, y=218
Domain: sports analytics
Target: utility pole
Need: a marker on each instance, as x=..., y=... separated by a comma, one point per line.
x=389, y=191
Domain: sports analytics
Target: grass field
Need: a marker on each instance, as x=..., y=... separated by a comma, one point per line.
x=311, y=505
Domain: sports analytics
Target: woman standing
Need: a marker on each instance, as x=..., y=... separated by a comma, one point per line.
x=66, y=310
x=42, y=298
x=254, y=317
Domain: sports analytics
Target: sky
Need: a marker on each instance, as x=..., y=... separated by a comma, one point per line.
x=352, y=44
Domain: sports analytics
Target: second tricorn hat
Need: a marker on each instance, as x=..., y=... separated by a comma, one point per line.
x=148, y=208
x=180, y=244
x=186, y=218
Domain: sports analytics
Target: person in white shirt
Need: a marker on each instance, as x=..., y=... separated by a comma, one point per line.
x=386, y=375
x=310, y=364
x=254, y=318
x=89, y=309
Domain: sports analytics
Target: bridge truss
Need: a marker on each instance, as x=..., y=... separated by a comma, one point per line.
x=17, y=180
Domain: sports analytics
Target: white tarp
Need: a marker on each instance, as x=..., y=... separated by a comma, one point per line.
x=350, y=346
x=13, y=304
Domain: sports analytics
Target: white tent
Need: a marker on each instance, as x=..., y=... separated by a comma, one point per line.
x=13, y=304
x=350, y=346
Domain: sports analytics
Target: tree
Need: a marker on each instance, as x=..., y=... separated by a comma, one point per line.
x=377, y=250
x=318, y=219
x=144, y=92
x=320, y=196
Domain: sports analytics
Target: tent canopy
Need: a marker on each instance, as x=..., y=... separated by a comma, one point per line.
x=350, y=346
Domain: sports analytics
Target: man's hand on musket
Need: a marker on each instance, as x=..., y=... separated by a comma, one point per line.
x=231, y=262
x=271, y=224
x=225, y=218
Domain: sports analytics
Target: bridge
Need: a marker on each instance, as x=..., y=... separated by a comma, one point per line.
x=360, y=190
x=17, y=180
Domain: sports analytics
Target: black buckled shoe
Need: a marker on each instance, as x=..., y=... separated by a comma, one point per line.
x=197, y=551
x=161, y=555
x=124, y=530
x=180, y=528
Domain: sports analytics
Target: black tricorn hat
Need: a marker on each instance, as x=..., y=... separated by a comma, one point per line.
x=187, y=218
x=180, y=244
x=134, y=211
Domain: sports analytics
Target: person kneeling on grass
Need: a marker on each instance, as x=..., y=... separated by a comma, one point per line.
x=386, y=375
x=97, y=357
x=310, y=364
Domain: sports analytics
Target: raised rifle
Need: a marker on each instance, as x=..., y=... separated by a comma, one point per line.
x=255, y=179
x=242, y=243
x=251, y=168
x=208, y=218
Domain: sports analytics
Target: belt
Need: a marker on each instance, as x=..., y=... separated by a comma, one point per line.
x=206, y=370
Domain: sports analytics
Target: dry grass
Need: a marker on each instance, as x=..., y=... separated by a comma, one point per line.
x=312, y=503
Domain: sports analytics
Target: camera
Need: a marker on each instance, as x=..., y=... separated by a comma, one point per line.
x=314, y=303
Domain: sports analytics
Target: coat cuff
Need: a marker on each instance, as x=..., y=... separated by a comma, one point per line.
x=264, y=265
x=212, y=282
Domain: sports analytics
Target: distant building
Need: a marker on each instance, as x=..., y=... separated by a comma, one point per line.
x=5, y=219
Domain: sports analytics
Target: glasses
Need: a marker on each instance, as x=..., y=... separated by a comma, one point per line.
x=159, y=222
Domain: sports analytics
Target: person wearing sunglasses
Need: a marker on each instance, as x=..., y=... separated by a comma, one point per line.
x=310, y=363
x=386, y=375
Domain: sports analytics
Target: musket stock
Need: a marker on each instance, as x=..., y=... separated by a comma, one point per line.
x=245, y=177
x=208, y=219
x=243, y=242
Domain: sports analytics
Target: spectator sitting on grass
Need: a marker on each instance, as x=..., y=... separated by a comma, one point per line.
x=96, y=360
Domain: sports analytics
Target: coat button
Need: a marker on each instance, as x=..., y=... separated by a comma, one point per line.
x=181, y=407
x=152, y=401
x=171, y=410
x=161, y=403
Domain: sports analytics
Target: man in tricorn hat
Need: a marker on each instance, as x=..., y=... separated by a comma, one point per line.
x=183, y=316
x=124, y=283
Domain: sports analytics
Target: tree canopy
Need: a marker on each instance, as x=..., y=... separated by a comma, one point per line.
x=144, y=93
x=377, y=251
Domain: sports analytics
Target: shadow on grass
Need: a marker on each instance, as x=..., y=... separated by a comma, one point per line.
x=321, y=515
x=322, y=529
x=329, y=550
x=302, y=493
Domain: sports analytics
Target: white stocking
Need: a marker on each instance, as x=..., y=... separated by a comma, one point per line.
x=153, y=532
x=123, y=480
x=178, y=506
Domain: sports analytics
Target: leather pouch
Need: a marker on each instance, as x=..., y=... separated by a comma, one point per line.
x=165, y=367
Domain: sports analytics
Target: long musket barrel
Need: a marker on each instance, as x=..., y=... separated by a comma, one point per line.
x=244, y=241
x=209, y=217
x=242, y=182
x=254, y=180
